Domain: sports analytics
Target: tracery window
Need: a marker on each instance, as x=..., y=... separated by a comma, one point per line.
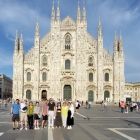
x=28, y=76
x=90, y=61
x=106, y=77
x=90, y=77
x=44, y=61
x=44, y=76
x=67, y=42
x=67, y=64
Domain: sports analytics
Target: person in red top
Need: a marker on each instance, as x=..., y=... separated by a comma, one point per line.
x=122, y=105
x=44, y=112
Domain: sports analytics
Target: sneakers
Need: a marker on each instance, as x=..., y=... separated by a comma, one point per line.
x=68, y=127
x=26, y=129
x=21, y=128
x=38, y=128
x=35, y=128
x=13, y=128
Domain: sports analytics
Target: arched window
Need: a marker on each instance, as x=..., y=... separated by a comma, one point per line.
x=28, y=94
x=90, y=77
x=67, y=42
x=67, y=64
x=44, y=61
x=106, y=77
x=44, y=76
x=28, y=76
x=90, y=61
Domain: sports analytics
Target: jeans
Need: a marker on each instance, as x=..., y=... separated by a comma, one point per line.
x=30, y=120
x=122, y=109
x=51, y=118
x=105, y=108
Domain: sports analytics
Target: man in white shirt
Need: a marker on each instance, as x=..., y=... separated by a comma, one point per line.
x=23, y=114
x=105, y=105
x=77, y=106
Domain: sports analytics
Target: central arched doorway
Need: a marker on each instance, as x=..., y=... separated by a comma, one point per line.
x=106, y=95
x=91, y=96
x=67, y=92
x=44, y=94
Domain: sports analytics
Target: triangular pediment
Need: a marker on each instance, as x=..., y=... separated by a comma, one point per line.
x=68, y=24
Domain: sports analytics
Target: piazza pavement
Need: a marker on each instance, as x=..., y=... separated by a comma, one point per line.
x=90, y=124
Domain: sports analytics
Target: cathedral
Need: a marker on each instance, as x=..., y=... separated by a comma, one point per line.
x=68, y=63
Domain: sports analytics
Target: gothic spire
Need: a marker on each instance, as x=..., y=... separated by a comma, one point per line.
x=99, y=28
x=37, y=28
x=84, y=12
x=58, y=13
x=78, y=12
x=16, y=41
x=53, y=12
x=21, y=41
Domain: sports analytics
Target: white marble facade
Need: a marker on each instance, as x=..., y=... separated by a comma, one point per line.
x=68, y=63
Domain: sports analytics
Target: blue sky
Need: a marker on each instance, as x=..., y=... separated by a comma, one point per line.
x=114, y=15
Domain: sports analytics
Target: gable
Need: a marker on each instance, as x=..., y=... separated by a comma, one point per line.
x=68, y=24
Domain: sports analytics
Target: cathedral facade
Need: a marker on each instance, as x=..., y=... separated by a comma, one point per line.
x=68, y=63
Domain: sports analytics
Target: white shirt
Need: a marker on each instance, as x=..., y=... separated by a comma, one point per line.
x=76, y=104
x=22, y=105
x=72, y=110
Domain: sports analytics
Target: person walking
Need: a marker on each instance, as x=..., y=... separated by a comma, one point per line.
x=70, y=118
x=64, y=112
x=44, y=113
x=105, y=106
x=131, y=107
x=51, y=113
x=15, y=113
x=58, y=119
x=23, y=114
x=122, y=105
x=30, y=114
x=36, y=116
x=126, y=107
x=89, y=104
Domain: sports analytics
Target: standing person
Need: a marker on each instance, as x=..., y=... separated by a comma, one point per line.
x=119, y=103
x=89, y=104
x=58, y=120
x=15, y=113
x=30, y=114
x=51, y=113
x=70, y=118
x=44, y=113
x=126, y=107
x=23, y=114
x=131, y=107
x=82, y=103
x=105, y=106
x=36, y=115
x=77, y=106
x=64, y=112
x=122, y=105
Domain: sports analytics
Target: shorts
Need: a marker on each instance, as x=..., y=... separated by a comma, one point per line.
x=77, y=107
x=45, y=117
x=23, y=116
x=36, y=117
x=15, y=117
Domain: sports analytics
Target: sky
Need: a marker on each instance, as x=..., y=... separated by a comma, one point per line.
x=115, y=15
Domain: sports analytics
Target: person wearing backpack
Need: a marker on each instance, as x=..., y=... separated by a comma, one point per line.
x=77, y=105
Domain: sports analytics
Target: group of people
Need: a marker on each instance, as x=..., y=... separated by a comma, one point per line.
x=126, y=106
x=59, y=115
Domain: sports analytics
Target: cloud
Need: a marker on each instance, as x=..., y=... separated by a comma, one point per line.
x=19, y=16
